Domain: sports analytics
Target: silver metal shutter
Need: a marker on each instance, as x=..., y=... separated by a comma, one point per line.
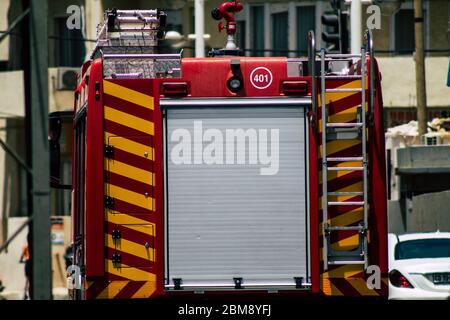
x=228, y=221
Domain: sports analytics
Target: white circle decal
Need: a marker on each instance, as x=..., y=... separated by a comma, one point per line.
x=261, y=78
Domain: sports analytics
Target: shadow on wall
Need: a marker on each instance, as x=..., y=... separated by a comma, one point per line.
x=427, y=213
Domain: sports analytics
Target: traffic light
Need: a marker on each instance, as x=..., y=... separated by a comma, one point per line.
x=339, y=37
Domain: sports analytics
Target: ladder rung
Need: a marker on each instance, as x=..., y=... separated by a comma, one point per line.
x=346, y=262
x=346, y=193
x=345, y=168
x=342, y=55
x=355, y=77
x=345, y=203
x=345, y=159
x=344, y=90
x=344, y=228
x=344, y=124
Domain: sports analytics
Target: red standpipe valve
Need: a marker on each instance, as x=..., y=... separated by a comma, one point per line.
x=226, y=11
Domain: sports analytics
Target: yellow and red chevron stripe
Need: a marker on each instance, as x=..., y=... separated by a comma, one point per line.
x=342, y=279
x=130, y=228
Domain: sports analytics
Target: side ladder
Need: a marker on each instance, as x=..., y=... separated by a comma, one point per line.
x=360, y=254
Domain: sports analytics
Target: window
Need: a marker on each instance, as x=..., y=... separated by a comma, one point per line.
x=423, y=248
x=174, y=21
x=240, y=35
x=404, y=38
x=257, y=30
x=192, y=20
x=69, y=45
x=306, y=21
x=280, y=34
x=404, y=31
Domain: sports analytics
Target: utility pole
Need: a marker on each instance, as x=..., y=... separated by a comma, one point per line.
x=199, y=28
x=355, y=25
x=420, y=69
x=36, y=113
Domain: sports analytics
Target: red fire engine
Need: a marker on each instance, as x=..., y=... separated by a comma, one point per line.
x=226, y=173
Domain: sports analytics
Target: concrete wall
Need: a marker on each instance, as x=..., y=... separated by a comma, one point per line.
x=58, y=100
x=424, y=213
x=396, y=218
x=399, y=84
x=430, y=212
x=12, y=273
x=12, y=102
x=424, y=159
x=4, y=45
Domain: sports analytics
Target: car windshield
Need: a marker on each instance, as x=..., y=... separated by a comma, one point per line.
x=423, y=248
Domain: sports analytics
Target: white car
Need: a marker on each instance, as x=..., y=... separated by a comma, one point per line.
x=419, y=266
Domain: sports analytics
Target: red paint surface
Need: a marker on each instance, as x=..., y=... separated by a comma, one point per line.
x=314, y=203
x=158, y=192
x=95, y=260
x=207, y=78
x=377, y=168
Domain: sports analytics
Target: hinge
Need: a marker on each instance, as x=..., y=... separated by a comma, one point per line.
x=115, y=234
x=109, y=151
x=177, y=283
x=237, y=283
x=299, y=282
x=116, y=258
x=109, y=202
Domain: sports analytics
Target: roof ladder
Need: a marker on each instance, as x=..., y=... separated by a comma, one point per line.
x=360, y=254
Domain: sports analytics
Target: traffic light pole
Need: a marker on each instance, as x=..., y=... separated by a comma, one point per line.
x=199, y=28
x=339, y=36
x=355, y=25
x=36, y=112
x=339, y=15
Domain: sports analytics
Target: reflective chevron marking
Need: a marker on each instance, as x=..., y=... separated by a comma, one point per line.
x=342, y=108
x=130, y=180
x=127, y=94
x=129, y=120
x=127, y=272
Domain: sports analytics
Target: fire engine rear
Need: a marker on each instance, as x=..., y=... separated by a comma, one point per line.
x=226, y=173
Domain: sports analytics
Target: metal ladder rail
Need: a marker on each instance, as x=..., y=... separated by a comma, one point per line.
x=312, y=73
x=324, y=159
x=325, y=203
x=364, y=152
x=369, y=48
x=371, y=72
